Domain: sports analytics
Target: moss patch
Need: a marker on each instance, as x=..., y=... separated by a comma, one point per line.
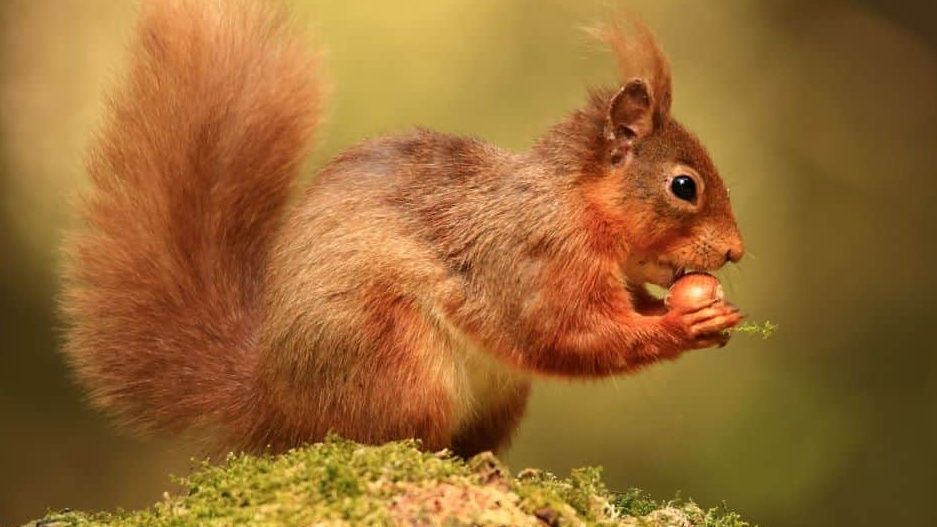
x=341, y=483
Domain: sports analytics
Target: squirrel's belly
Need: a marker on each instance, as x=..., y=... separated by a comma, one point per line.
x=478, y=382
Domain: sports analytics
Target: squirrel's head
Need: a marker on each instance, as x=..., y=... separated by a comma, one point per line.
x=654, y=176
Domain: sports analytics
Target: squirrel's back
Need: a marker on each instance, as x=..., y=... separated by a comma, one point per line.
x=190, y=175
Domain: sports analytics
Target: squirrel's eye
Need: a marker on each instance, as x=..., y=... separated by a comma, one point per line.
x=684, y=187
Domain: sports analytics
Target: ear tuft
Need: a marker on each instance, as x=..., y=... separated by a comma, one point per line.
x=639, y=56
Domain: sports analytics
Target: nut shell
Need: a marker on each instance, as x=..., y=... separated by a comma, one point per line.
x=693, y=289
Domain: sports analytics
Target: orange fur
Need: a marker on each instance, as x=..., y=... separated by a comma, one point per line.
x=418, y=284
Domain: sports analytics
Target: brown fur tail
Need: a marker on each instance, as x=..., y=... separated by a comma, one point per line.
x=190, y=176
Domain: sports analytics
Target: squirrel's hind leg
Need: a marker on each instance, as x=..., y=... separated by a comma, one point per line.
x=494, y=427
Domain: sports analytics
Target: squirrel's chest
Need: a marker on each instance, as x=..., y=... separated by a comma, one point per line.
x=479, y=384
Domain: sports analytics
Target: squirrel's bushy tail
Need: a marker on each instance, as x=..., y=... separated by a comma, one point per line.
x=190, y=176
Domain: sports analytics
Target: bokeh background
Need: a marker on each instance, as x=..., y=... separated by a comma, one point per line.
x=822, y=116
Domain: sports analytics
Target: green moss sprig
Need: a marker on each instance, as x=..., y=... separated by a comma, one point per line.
x=764, y=329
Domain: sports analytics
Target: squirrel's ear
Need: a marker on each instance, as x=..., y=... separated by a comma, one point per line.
x=630, y=112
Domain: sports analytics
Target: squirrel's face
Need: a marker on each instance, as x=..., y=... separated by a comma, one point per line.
x=678, y=210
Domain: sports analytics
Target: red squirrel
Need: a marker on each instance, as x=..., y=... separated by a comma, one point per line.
x=418, y=283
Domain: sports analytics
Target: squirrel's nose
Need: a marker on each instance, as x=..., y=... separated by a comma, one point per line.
x=734, y=246
x=735, y=253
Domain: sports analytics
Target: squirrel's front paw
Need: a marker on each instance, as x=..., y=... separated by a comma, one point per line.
x=704, y=325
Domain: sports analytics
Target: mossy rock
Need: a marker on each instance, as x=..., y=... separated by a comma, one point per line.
x=338, y=483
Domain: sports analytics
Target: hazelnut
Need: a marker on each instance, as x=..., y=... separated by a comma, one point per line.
x=693, y=289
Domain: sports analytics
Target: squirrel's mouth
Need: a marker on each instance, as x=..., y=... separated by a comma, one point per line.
x=678, y=271
x=659, y=272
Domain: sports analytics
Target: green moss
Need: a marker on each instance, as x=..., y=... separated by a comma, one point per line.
x=339, y=482
x=763, y=329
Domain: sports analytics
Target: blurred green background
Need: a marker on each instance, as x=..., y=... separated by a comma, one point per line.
x=822, y=116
